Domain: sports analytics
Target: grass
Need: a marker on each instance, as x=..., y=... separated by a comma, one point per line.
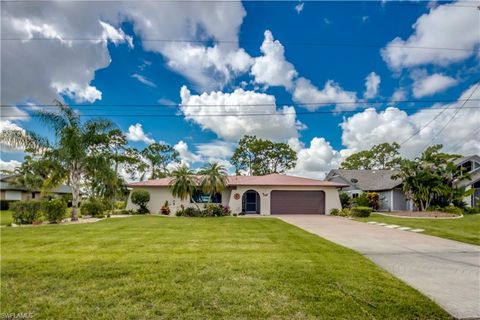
x=466, y=229
x=5, y=217
x=195, y=268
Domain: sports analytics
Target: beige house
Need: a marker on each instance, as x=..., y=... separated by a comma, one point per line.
x=264, y=195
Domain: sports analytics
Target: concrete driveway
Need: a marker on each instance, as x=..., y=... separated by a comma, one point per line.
x=446, y=271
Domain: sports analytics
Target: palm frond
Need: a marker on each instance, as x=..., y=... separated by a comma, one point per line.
x=54, y=119
x=28, y=140
x=68, y=113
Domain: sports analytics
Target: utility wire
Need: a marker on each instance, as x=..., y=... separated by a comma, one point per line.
x=312, y=103
x=227, y=114
x=458, y=145
x=450, y=120
x=236, y=42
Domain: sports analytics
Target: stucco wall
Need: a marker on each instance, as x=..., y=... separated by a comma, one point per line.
x=158, y=195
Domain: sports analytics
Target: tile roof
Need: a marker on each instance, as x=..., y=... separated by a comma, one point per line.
x=267, y=180
x=368, y=180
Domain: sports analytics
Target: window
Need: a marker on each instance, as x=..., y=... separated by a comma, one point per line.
x=355, y=195
x=202, y=197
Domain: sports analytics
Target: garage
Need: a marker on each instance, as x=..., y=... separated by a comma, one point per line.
x=297, y=202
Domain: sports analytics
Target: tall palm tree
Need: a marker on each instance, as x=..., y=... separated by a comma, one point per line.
x=184, y=182
x=73, y=146
x=214, y=178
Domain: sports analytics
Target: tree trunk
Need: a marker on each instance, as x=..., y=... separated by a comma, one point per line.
x=75, y=184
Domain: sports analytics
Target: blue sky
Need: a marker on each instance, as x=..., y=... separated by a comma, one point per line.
x=318, y=52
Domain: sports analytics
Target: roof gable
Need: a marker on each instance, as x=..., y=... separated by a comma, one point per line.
x=368, y=180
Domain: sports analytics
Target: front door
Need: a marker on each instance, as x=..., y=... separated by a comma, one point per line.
x=251, y=202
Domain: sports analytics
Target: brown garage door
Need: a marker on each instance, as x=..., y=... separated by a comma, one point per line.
x=297, y=202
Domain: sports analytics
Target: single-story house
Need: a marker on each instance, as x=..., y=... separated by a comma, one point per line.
x=391, y=196
x=11, y=192
x=264, y=195
x=471, y=164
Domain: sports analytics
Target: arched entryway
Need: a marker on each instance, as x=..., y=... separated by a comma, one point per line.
x=251, y=202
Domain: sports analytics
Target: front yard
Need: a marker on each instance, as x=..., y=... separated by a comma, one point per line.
x=153, y=267
x=466, y=229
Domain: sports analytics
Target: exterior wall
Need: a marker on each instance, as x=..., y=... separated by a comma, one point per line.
x=2, y=194
x=385, y=200
x=13, y=195
x=399, y=200
x=158, y=196
x=332, y=200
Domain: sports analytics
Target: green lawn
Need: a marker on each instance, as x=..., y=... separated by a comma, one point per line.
x=466, y=229
x=195, y=268
x=5, y=217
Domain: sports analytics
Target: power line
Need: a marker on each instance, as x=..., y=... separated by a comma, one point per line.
x=310, y=103
x=458, y=145
x=450, y=120
x=156, y=115
x=236, y=42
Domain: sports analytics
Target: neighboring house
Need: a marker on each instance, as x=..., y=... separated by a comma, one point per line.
x=265, y=195
x=391, y=196
x=471, y=164
x=11, y=192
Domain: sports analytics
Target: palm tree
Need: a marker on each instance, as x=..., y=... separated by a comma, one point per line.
x=214, y=178
x=73, y=149
x=184, y=182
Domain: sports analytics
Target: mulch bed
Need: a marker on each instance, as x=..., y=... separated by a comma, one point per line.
x=421, y=214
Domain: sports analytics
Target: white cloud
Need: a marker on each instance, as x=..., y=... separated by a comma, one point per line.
x=367, y=128
x=279, y=124
x=144, y=80
x=443, y=27
x=136, y=133
x=313, y=98
x=399, y=94
x=185, y=154
x=316, y=160
x=299, y=7
x=9, y=165
x=117, y=36
x=372, y=83
x=427, y=85
x=216, y=149
x=272, y=69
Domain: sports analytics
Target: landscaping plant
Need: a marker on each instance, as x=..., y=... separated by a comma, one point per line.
x=55, y=210
x=373, y=200
x=93, y=207
x=26, y=211
x=165, y=209
x=344, y=199
x=361, y=211
x=141, y=197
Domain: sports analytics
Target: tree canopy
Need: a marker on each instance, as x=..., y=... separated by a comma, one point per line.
x=255, y=156
x=383, y=156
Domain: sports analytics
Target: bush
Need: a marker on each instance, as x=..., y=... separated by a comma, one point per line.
x=360, y=201
x=214, y=210
x=361, y=211
x=94, y=207
x=55, y=210
x=373, y=200
x=335, y=212
x=469, y=210
x=344, y=199
x=165, y=209
x=120, y=205
x=345, y=212
x=452, y=209
x=26, y=211
x=188, y=212
x=141, y=197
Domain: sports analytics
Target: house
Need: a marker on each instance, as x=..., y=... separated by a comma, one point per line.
x=264, y=195
x=391, y=196
x=471, y=164
x=11, y=192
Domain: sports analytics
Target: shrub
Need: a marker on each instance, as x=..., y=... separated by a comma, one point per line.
x=94, y=207
x=334, y=212
x=26, y=211
x=360, y=201
x=361, y=211
x=452, y=209
x=214, y=210
x=189, y=212
x=141, y=197
x=120, y=205
x=373, y=200
x=344, y=199
x=345, y=212
x=469, y=210
x=55, y=210
x=165, y=209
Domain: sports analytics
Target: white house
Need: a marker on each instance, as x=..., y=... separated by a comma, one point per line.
x=264, y=195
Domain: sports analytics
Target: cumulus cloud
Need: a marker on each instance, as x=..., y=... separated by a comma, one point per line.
x=444, y=26
x=185, y=154
x=279, y=123
x=427, y=85
x=136, y=133
x=370, y=127
x=299, y=7
x=116, y=35
x=272, y=69
x=316, y=160
x=216, y=149
x=312, y=98
x=144, y=80
x=9, y=165
x=372, y=83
